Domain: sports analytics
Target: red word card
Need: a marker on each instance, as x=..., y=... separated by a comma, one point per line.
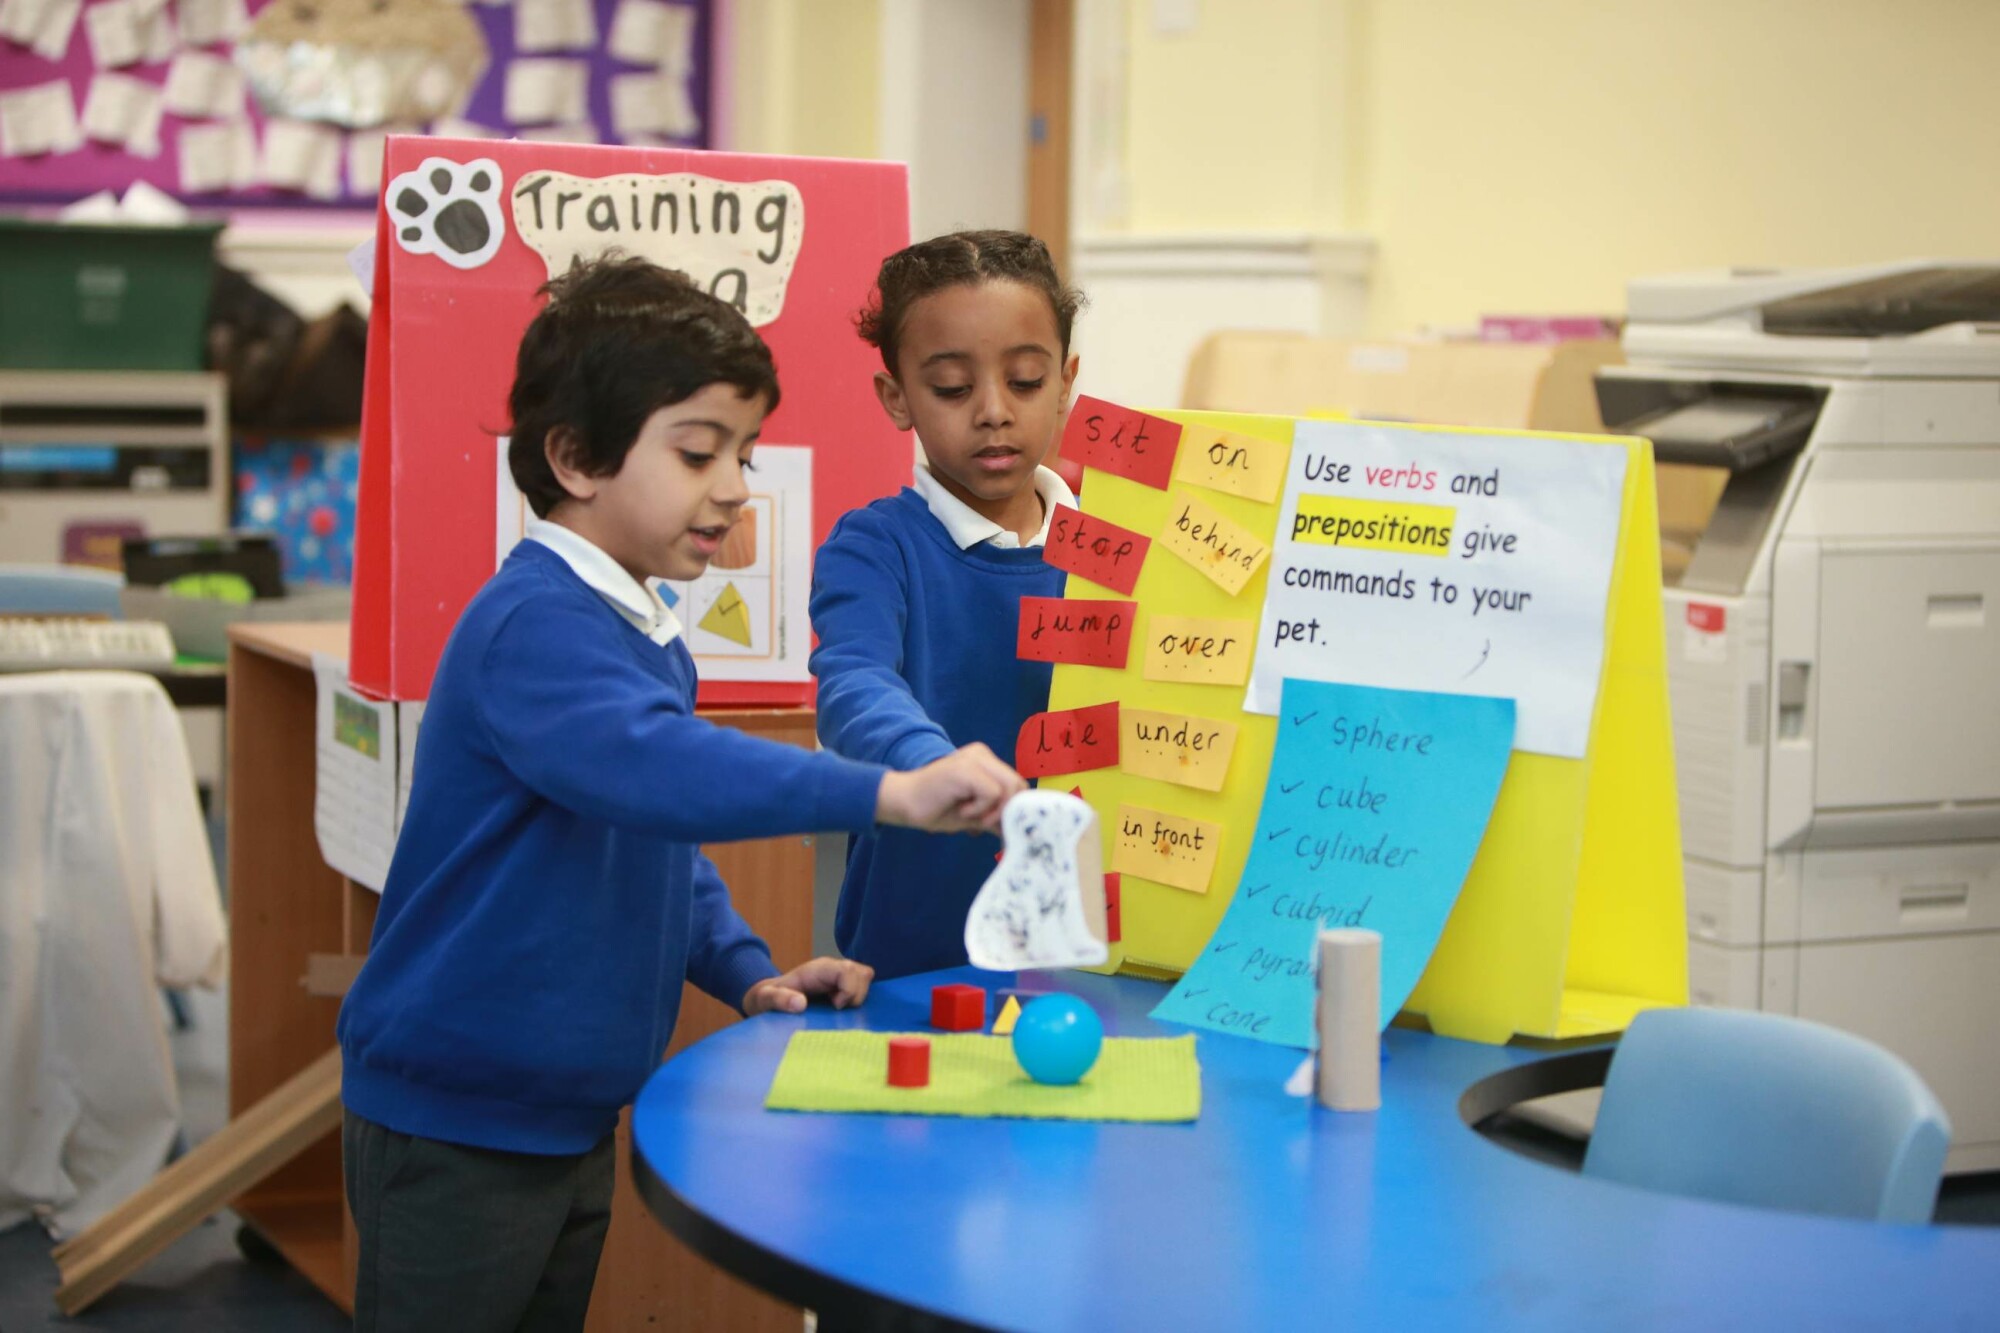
x=1075, y=631
x=1113, y=925
x=1096, y=548
x=1121, y=441
x=1074, y=740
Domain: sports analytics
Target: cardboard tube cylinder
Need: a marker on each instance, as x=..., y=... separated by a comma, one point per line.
x=1350, y=1024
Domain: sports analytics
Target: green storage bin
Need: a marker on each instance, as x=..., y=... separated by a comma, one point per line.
x=97, y=296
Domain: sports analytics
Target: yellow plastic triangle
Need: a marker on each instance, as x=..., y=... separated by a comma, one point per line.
x=728, y=617
x=1003, y=1026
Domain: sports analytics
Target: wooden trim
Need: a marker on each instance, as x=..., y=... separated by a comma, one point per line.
x=1051, y=24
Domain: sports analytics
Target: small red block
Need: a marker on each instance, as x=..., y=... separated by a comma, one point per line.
x=1113, y=919
x=958, y=1008
x=909, y=1062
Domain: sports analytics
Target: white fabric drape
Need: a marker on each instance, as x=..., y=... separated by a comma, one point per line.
x=107, y=892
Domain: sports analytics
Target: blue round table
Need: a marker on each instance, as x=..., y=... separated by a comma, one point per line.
x=1267, y=1213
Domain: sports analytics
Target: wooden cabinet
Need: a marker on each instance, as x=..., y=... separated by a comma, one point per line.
x=289, y=914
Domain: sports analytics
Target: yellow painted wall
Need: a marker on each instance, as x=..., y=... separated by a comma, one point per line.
x=804, y=77
x=1232, y=126
x=1535, y=154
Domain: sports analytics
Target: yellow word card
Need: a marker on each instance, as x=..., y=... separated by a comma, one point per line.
x=1217, y=545
x=1223, y=460
x=1198, y=650
x=1175, y=747
x=1168, y=849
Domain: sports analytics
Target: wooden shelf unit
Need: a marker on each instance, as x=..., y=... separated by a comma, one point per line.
x=286, y=904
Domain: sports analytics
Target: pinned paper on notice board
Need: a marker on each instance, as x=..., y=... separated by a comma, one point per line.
x=1225, y=460
x=1126, y=443
x=1080, y=632
x=1215, y=544
x=1096, y=548
x=1166, y=848
x=1375, y=806
x=1074, y=740
x=1197, y=650
x=1175, y=747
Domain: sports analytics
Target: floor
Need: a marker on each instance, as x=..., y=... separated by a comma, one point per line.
x=203, y=1282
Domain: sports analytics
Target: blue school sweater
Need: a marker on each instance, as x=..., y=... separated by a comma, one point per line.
x=915, y=658
x=548, y=896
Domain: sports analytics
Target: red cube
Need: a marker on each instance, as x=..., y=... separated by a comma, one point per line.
x=909, y=1062
x=958, y=1008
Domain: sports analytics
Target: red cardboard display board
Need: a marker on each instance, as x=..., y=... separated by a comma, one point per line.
x=468, y=230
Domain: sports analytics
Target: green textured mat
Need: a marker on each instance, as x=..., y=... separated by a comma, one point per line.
x=1135, y=1078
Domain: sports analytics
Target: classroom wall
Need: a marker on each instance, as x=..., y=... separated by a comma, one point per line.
x=800, y=77
x=1535, y=154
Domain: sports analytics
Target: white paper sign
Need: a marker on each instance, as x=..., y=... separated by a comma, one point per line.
x=1457, y=563
x=115, y=37
x=355, y=796
x=746, y=617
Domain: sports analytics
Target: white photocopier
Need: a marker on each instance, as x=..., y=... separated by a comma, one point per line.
x=1833, y=650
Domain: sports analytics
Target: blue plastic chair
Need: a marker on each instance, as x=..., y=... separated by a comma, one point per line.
x=1770, y=1111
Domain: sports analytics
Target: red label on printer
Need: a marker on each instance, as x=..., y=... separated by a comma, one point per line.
x=1707, y=617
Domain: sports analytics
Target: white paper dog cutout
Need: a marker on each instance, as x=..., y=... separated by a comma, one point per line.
x=1043, y=906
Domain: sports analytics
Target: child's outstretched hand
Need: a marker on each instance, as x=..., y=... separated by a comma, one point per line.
x=844, y=982
x=963, y=792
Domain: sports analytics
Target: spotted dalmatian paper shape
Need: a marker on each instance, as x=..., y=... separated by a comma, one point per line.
x=1043, y=905
x=448, y=209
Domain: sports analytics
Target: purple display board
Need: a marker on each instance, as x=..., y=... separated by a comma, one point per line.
x=57, y=178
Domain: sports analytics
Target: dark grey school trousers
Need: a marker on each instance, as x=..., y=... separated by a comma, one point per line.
x=469, y=1239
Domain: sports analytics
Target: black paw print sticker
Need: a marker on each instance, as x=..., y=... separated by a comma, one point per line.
x=448, y=209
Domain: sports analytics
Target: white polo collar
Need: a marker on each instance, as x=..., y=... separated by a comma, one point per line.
x=968, y=528
x=639, y=603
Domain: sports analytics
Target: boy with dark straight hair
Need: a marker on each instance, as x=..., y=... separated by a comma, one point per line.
x=548, y=895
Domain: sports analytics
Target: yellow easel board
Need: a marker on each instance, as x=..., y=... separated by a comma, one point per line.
x=1571, y=919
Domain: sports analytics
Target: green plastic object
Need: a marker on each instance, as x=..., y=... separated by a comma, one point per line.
x=99, y=296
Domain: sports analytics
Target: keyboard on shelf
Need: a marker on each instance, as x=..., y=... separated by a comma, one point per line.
x=58, y=643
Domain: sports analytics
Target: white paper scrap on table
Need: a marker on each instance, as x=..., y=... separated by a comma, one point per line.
x=116, y=39
x=1043, y=905
x=354, y=797
x=149, y=203
x=201, y=86
x=218, y=157
x=39, y=119
x=1303, y=1079
x=541, y=91
x=409, y=720
x=1445, y=561
x=554, y=25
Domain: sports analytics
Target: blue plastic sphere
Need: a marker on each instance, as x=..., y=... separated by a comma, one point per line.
x=1057, y=1038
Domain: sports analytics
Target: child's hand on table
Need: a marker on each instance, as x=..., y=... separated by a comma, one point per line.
x=963, y=792
x=845, y=982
